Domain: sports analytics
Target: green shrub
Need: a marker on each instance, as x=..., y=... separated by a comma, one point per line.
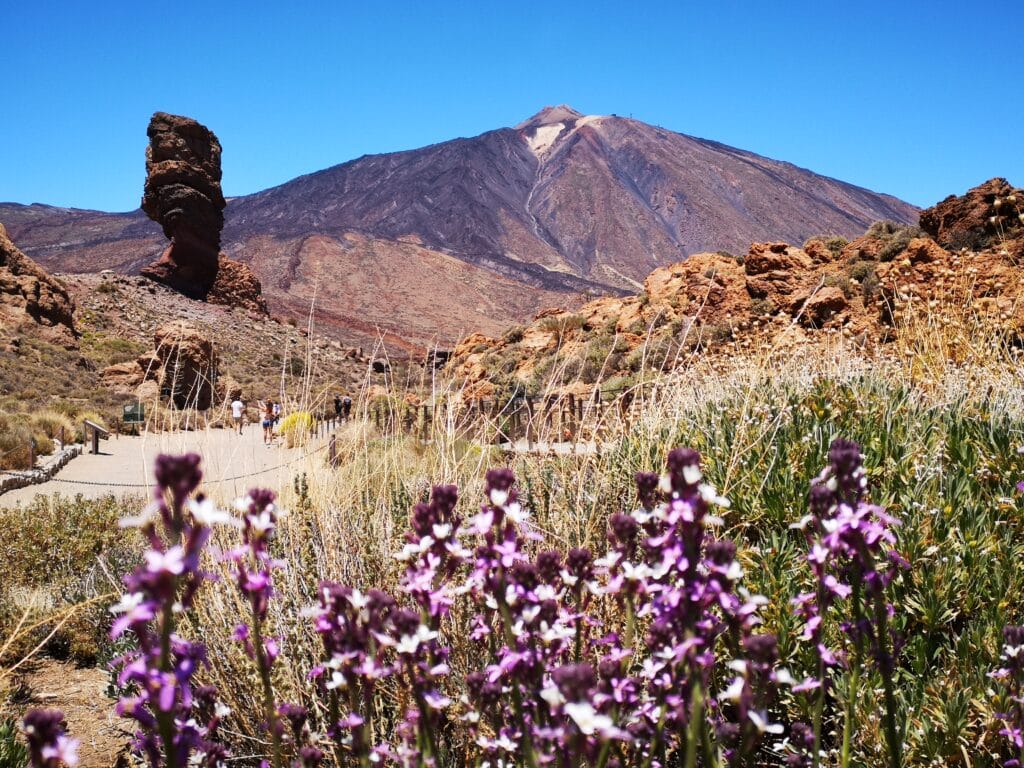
x=514, y=334
x=895, y=237
x=296, y=427
x=562, y=325
x=54, y=562
x=13, y=753
x=834, y=243
x=840, y=281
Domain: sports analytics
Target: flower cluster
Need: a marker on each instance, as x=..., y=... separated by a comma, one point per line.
x=1012, y=676
x=176, y=722
x=853, y=559
x=254, y=575
x=48, y=745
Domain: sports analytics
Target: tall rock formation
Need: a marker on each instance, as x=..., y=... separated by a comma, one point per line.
x=184, y=196
x=30, y=297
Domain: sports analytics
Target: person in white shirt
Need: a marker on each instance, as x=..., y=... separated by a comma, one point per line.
x=237, y=410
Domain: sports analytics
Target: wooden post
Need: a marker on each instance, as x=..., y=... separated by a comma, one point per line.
x=95, y=441
x=31, y=452
x=332, y=451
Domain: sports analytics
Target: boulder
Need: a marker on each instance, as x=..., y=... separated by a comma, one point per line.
x=707, y=286
x=33, y=300
x=822, y=305
x=777, y=272
x=188, y=365
x=976, y=219
x=236, y=285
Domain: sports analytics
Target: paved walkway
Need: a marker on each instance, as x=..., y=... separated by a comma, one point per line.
x=232, y=464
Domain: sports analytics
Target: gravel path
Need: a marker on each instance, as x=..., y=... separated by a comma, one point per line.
x=232, y=464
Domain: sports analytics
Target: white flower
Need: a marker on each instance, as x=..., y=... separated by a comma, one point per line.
x=552, y=696
x=442, y=530
x=710, y=495
x=735, y=690
x=172, y=561
x=691, y=474
x=760, y=721
x=144, y=518
x=222, y=710
x=409, y=643
x=128, y=603
x=260, y=523
x=516, y=513
x=587, y=719
x=205, y=513
x=498, y=497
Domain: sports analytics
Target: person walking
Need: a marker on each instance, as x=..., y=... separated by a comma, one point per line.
x=268, y=422
x=346, y=407
x=237, y=411
x=337, y=406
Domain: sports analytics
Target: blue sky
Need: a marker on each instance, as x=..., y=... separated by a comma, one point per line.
x=918, y=99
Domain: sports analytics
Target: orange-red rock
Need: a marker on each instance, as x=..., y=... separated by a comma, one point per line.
x=30, y=297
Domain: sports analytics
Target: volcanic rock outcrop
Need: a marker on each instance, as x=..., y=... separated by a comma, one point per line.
x=893, y=282
x=183, y=194
x=985, y=215
x=181, y=370
x=30, y=296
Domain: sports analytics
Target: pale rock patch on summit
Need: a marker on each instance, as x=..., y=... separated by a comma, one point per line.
x=544, y=137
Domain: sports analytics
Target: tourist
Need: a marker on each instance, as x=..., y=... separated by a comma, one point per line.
x=337, y=406
x=346, y=407
x=268, y=422
x=237, y=411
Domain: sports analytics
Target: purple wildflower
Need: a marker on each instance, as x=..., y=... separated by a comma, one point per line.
x=48, y=745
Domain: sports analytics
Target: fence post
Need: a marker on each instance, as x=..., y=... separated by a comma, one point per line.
x=332, y=451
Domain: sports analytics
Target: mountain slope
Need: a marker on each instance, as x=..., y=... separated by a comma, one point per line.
x=559, y=206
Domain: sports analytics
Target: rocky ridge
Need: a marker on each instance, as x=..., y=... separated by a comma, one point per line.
x=864, y=291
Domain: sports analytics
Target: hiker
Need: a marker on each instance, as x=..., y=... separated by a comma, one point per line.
x=268, y=422
x=277, y=412
x=237, y=411
x=337, y=406
x=346, y=407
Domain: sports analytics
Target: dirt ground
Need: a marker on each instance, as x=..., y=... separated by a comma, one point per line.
x=81, y=695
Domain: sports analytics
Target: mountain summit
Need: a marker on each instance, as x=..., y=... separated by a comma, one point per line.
x=476, y=233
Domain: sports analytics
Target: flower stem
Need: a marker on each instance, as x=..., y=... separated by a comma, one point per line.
x=885, y=667
x=268, y=689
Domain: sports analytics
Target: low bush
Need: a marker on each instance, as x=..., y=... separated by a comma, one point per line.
x=296, y=427
x=895, y=237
